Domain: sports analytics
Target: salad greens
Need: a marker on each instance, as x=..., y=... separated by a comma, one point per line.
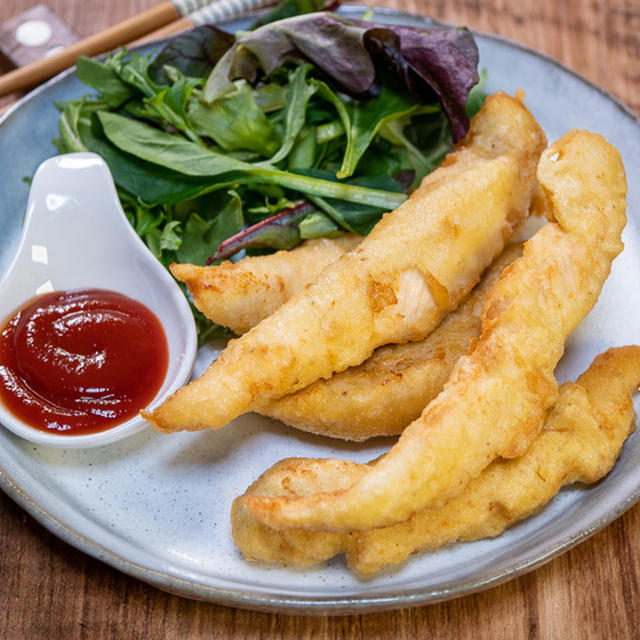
x=314, y=125
x=431, y=64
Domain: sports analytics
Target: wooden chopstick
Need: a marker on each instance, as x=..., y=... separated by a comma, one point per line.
x=214, y=12
x=164, y=32
x=121, y=33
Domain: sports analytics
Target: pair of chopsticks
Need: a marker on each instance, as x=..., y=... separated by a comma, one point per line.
x=162, y=20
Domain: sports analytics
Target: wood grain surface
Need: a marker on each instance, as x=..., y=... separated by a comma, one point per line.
x=49, y=590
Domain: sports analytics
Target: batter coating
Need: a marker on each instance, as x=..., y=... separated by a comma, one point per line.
x=414, y=267
x=496, y=400
x=240, y=295
x=580, y=442
x=385, y=393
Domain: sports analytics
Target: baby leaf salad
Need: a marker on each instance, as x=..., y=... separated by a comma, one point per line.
x=310, y=126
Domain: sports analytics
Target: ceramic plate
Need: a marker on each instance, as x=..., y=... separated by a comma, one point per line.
x=157, y=506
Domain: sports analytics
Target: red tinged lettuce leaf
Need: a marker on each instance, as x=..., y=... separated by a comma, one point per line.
x=432, y=63
x=194, y=53
x=279, y=231
x=283, y=229
x=435, y=64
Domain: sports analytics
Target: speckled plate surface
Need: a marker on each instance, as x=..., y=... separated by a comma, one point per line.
x=157, y=506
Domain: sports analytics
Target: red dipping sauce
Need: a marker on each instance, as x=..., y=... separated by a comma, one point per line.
x=79, y=362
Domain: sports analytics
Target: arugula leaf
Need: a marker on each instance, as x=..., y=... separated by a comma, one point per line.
x=75, y=114
x=183, y=156
x=235, y=122
x=151, y=183
x=166, y=105
x=201, y=236
x=70, y=139
x=423, y=163
x=135, y=72
x=328, y=94
x=170, y=106
x=143, y=218
x=298, y=94
x=160, y=239
x=103, y=77
x=303, y=152
x=366, y=119
x=354, y=217
x=361, y=121
x=154, y=224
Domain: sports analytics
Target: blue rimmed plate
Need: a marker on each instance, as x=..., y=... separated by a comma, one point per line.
x=157, y=506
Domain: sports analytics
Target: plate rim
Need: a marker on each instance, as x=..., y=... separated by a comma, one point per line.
x=313, y=605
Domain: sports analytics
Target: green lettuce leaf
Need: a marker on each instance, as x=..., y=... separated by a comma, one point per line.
x=431, y=63
x=202, y=236
x=178, y=154
x=235, y=122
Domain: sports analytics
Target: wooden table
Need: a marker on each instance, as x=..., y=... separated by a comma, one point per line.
x=50, y=590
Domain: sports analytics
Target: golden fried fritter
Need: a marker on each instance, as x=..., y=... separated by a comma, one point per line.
x=385, y=393
x=498, y=395
x=239, y=295
x=580, y=442
x=414, y=267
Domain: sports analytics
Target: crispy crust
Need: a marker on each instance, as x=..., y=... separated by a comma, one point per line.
x=580, y=442
x=240, y=295
x=466, y=208
x=388, y=391
x=496, y=400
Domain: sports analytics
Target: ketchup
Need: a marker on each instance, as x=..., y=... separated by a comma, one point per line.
x=78, y=362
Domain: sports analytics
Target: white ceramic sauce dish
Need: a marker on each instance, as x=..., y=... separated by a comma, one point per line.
x=76, y=236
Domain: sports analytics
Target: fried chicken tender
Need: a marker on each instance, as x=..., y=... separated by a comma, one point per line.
x=497, y=397
x=580, y=442
x=414, y=267
x=240, y=295
x=385, y=393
